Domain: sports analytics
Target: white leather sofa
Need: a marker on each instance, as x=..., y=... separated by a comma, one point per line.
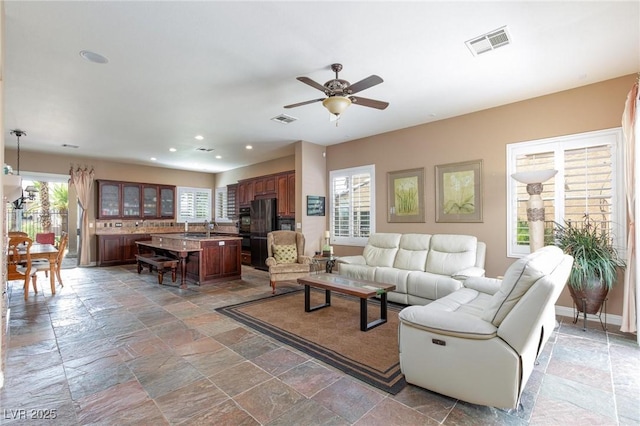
x=423, y=267
x=479, y=344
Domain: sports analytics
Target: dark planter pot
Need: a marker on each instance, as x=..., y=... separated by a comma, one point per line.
x=589, y=300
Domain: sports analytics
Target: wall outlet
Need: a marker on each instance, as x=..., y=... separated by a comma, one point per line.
x=298, y=225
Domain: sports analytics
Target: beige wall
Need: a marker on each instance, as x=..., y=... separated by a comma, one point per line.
x=482, y=135
x=310, y=181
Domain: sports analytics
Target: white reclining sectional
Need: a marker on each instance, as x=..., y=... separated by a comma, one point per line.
x=480, y=344
x=423, y=267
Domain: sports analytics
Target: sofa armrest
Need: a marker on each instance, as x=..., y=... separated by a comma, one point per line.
x=305, y=260
x=473, y=271
x=354, y=260
x=271, y=261
x=448, y=323
x=483, y=284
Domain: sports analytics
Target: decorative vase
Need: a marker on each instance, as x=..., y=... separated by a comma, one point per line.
x=590, y=298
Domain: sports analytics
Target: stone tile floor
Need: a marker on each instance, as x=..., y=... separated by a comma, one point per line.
x=114, y=347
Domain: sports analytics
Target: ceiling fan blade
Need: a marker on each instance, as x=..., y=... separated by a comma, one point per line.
x=304, y=103
x=372, y=103
x=307, y=80
x=370, y=81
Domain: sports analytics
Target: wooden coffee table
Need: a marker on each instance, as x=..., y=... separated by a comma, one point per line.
x=360, y=288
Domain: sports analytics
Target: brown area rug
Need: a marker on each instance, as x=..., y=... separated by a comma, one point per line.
x=332, y=334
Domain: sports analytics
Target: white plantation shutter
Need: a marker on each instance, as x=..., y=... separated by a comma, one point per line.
x=352, y=205
x=194, y=204
x=222, y=205
x=588, y=182
x=588, y=188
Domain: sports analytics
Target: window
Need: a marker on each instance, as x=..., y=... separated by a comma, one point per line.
x=589, y=182
x=352, y=205
x=194, y=204
x=222, y=205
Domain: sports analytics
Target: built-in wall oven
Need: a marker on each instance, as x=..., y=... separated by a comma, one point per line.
x=244, y=230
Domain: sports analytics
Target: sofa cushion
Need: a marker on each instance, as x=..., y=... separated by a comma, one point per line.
x=395, y=276
x=358, y=271
x=285, y=253
x=520, y=276
x=449, y=254
x=381, y=249
x=431, y=286
x=412, y=252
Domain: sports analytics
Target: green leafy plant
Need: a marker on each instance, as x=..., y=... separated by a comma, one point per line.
x=595, y=260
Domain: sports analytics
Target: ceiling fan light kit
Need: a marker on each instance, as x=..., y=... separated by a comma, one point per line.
x=339, y=91
x=336, y=104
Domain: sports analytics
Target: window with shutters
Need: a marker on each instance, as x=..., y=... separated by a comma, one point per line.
x=352, y=205
x=589, y=182
x=222, y=205
x=194, y=204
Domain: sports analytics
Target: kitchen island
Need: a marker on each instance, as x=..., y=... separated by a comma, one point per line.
x=203, y=259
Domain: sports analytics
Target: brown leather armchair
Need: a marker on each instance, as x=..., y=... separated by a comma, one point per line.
x=286, y=259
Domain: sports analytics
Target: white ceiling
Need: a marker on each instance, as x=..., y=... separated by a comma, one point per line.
x=224, y=69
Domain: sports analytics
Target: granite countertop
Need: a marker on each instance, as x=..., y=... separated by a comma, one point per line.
x=198, y=236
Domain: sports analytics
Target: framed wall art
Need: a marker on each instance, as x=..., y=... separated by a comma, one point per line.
x=315, y=205
x=405, y=196
x=459, y=192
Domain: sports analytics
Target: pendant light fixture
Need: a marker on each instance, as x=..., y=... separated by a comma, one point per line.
x=31, y=190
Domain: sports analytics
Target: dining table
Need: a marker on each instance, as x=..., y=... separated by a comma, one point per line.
x=49, y=252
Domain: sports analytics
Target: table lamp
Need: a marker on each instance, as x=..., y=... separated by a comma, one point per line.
x=326, y=249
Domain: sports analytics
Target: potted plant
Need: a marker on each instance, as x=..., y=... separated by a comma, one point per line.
x=595, y=262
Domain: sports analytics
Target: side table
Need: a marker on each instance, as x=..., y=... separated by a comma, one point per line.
x=329, y=262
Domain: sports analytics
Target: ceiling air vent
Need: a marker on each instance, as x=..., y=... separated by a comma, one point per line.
x=204, y=149
x=284, y=119
x=488, y=42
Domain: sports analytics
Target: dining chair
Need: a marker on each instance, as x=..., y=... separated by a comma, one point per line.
x=44, y=265
x=19, y=261
x=17, y=234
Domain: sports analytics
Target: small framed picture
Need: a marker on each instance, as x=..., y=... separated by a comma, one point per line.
x=315, y=205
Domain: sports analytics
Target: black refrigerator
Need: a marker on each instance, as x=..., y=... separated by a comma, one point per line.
x=263, y=221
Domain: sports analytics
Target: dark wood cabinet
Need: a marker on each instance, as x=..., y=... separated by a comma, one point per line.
x=286, y=194
x=281, y=186
x=245, y=193
x=118, y=249
x=167, y=201
x=109, y=196
x=129, y=200
x=265, y=185
x=217, y=261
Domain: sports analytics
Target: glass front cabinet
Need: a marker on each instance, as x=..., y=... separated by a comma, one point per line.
x=128, y=200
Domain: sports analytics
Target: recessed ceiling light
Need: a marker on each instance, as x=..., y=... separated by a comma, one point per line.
x=249, y=147
x=172, y=149
x=93, y=57
x=199, y=137
x=153, y=158
x=218, y=156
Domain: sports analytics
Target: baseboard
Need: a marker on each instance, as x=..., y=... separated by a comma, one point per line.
x=609, y=318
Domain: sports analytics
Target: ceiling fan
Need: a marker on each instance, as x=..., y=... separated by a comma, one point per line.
x=340, y=93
